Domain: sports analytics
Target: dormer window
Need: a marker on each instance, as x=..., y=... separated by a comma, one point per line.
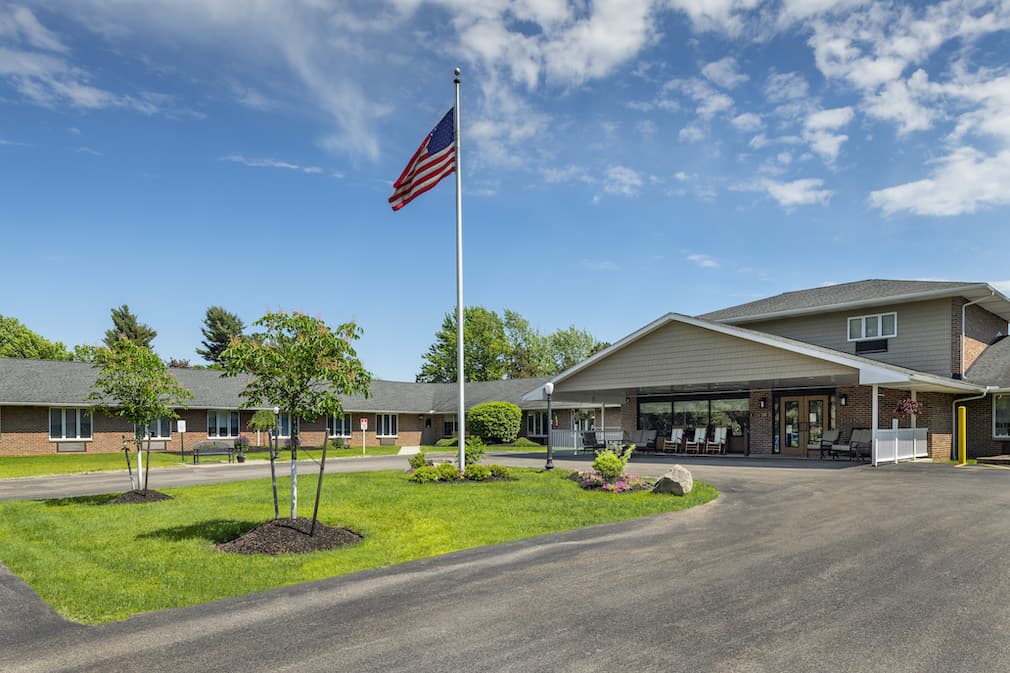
x=877, y=326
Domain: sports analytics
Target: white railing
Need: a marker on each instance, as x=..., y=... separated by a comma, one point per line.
x=572, y=439
x=901, y=444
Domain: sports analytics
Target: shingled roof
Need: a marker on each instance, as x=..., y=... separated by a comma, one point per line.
x=992, y=367
x=54, y=382
x=851, y=295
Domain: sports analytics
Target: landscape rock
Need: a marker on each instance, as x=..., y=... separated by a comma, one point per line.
x=676, y=480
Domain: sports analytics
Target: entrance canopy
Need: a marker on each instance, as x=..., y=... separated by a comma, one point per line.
x=682, y=354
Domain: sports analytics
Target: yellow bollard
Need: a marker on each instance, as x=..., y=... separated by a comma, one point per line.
x=962, y=436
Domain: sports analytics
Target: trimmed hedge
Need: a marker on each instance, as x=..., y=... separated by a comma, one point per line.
x=495, y=422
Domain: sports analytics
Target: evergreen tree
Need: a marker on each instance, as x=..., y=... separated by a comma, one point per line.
x=219, y=328
x=126, y=326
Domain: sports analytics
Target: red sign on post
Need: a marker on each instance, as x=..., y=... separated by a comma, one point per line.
x=364, y=423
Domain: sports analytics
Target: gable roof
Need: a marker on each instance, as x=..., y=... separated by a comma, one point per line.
x=60, y=383
x=992, y=367
x=857, y=295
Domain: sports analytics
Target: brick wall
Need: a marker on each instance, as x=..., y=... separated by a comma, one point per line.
x=979, y=422
x=761, y=422
x=980, y=328
x=858, y=413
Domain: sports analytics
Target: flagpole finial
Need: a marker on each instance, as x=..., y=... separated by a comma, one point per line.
x=456, y=72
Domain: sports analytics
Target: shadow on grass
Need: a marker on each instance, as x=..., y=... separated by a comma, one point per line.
x=214, y=530
x=103, y=499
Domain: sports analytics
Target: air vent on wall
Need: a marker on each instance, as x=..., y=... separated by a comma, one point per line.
x=874, y=346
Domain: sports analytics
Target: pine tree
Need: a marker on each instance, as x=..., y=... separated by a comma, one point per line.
x=219, y=327
x=126, y=326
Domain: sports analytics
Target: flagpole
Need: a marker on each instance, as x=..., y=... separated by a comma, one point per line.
x=460, y=378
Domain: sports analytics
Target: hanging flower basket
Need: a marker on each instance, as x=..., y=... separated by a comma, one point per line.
x=907, y=408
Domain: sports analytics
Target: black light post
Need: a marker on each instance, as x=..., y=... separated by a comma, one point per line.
x=549, y=389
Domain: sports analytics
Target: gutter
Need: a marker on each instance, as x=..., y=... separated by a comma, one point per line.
x=964, y=308
x=953, y=417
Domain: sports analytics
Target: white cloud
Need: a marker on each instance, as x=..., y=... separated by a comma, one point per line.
x=647, y=128
x=964, y=181
x=570, y=173
x=271, y=163
x=691, y=134
x=703, y=261
x=724, y=73
x=748, y=122
x=622, y=180
x=601, y=265
x=87, y=150
x=818, y=131
x=709, y=101
x=725, y=16
x=785, y=86
x=803, y=192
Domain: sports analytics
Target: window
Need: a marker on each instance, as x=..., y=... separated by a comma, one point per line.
x=656, y=416
x=284, y=425
x=69, y=423
x=583, y=420
x=385, y=425
x=879, y=326
x=339, y=427
x=449, y=425
x=222, y=424
x=1001, y=416
x=536, y=424
x=160, y=428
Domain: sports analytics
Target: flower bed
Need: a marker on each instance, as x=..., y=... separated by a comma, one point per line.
x=592, y=481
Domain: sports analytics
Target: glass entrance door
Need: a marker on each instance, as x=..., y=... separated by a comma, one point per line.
x=803, y=422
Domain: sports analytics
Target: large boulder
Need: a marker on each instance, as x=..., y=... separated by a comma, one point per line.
x=676, y=480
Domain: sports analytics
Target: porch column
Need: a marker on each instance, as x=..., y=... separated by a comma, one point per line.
x=915, y=449
x=875, y=405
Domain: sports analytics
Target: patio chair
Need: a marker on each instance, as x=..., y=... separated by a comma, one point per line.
x=857, y=448
x=648, y=440
x=828, y=439
x=696, y=445
x=591, y=443
x=676, y=442
x=718, y=443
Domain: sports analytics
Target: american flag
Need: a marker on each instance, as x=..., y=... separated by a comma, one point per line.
x=433, y=160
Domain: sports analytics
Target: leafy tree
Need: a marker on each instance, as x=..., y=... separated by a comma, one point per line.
x=219, y=328
x=17, y=341
x=570, y=346
x=179, y=363
x=133, y=383
x=127, y=326
x=485, y=348
x=301, y=365
x=529, y=351
x=87, y=353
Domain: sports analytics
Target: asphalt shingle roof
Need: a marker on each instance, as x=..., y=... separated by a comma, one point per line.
x=45, y=382
x=992, y=367
x=825, y=297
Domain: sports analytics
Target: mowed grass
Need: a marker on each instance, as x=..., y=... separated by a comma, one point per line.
x=73, y=463
x=95, y=562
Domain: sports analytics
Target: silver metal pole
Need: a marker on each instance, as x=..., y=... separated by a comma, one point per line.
x=460, y=376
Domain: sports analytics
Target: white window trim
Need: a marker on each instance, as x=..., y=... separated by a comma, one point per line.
x=994, y=435
x=346, y=420
x=377, y=425
x=63, y=424
x=448, y=418
x=880, y=325
x=229, y=412
x=531, y=423
x=156, y=438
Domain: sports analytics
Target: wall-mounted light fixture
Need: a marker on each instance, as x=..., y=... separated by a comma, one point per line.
x=763, y=402
x=843, y=399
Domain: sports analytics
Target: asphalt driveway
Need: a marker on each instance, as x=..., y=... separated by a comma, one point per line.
x=794, y=568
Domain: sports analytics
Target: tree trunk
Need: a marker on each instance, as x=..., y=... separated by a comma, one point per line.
x=319, y=487
x=272, y=439
x=294, y=469
x=147, y=468
x=140, y=464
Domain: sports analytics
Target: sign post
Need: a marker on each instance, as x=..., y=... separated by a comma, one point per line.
x=182, y=440
x=364, y=426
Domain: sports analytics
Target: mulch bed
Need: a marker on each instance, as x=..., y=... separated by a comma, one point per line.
x=287, y=536
x=137, y=497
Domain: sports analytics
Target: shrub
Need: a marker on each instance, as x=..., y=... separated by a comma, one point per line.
x=424, y=475
x=446, y=441
x=500, y=472
x=525, y=441
x=474, y=450
x=447, y=472
x=495, y=422
x=476, y=472
x=610, y=465
x=418, y=460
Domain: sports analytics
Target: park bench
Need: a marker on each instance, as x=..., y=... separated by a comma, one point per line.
x=213, y=449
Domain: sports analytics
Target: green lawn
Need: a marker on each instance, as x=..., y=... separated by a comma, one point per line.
x=95, y=562
x=70, y=463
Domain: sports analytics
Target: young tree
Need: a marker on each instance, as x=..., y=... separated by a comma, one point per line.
x=301, y=365
x=125, y=325
x=133, y=383
x=17, y=341
x=485, y=348
x=219, y=328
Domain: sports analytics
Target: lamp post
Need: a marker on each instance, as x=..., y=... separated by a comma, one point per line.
x=549, y=389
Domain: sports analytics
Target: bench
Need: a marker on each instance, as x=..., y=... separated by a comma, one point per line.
x=213, y=449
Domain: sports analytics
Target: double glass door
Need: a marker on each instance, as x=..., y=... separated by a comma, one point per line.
x=803, y=422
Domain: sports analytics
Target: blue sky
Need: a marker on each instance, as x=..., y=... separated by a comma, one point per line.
x=621, y=159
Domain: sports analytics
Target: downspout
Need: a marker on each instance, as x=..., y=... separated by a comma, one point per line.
x=953, y=417
x=964, y=308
